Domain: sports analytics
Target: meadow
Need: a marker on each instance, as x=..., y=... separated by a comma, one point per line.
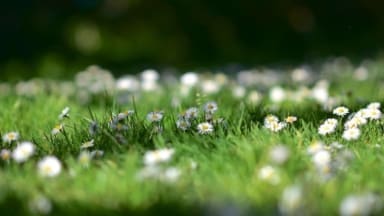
x=267, y=141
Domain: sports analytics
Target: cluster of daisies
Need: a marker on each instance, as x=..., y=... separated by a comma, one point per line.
x=353, y=121
x=189, y=119
x=21, y=151
x=272, y=122
x=156, y=166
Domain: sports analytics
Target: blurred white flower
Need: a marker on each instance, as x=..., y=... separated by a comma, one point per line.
x=210, y=107
x=158, y=156
x=192, y=113
x=11, y=137
x=64, y=113
x=95, y=80
x=23, y=152
x=269, y=174
x=49, y=166
x=300, y=75
x=290, y=119
x=321, y=158
x=365, y=204
x=254, y=97
x=279, y=154
x=351, y=133
x=277, y=94
x=361, y=73
x=374, y=105
x=150, y=75
x=5, y=154
x=84, y=158
x=57, y=129
x=210, y=87
x=189, y=79
x=155, y=116
x=40, y=205
x=329, y=126
x=341, y=111
x=238, y=91
x=373, y=113
x=128, y=83
x=88, y=144
x=171, y=174
x=320, y=93
x=291, y=200
x=183, y=124
x=205, y=128
x=315, y=147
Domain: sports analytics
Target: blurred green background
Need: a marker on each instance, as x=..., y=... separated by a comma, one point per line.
x=58, y=38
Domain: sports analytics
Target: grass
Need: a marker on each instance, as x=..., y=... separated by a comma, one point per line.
x=226, y=179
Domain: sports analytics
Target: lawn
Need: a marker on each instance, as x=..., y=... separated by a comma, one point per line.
x=279, y=141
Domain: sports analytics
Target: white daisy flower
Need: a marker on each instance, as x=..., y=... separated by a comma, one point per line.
x=374, y=105
x=11, y=137
x=210, y=107
x=331, y=121
x=205, y=128
x=5, y=154
x=183, y=124
x=192, y=113
x=49, y=166
x=57, y=129
x=352, y=134
x=88, y=144
x=158, y=156
x=84, y=158
x=64, y=113
x=23, y=151
x=124, y=115
x=269, y=174
x=341, y=111
x=270, y=119
x=326, y=129
x=329, y=126
x=373, y=113
x=354, y=122
x=290, y=119
x=155, y=116
x=276, y=126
